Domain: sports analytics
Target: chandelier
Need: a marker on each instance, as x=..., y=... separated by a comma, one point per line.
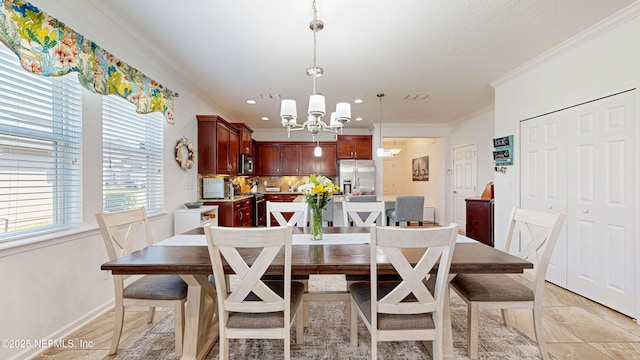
x=314, y=123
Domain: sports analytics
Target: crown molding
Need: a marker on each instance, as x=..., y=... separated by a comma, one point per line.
x=621, y=17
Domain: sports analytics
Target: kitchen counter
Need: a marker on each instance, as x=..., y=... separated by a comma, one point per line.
x=235, y=198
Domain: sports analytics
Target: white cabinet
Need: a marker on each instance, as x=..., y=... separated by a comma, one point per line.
x=187, y=219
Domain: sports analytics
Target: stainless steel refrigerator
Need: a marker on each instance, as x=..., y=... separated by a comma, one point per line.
x=360, y=174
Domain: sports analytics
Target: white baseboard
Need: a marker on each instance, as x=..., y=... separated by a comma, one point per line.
x=66, y=331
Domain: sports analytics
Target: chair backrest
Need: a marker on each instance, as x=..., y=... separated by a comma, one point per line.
x=362, y=198
x=224, y=241
x=409, y=208
x=438, y=243
x=300, y=212
x=539, y=233
x=363, y=213
x=327, y=214
x=120, y=230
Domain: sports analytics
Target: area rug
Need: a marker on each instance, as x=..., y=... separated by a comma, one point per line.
x=327, y=337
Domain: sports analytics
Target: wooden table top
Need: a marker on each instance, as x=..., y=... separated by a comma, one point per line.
x=312, y=259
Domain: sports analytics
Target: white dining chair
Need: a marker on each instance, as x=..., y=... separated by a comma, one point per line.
x=299, y=210
x=405, y=310
x=119, y=231
x=538, y=236
x=363, y=213
x=255, y=308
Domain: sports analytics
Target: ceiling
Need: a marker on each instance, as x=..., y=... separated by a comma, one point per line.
x=450, y=50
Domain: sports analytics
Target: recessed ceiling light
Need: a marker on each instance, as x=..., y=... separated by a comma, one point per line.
x=251, y=102
x=358, y=101
x=264, y=118
x=358, y=119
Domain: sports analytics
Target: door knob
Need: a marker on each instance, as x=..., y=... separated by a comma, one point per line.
x=586, y=211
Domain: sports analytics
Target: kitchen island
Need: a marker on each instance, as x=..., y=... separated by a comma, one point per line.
x=389, y=200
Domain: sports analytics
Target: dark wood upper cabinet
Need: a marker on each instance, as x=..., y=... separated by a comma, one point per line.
x=327, y=164
x=246, y=142
x=234, y=144
x=267, y=159
x=354, y=147
x=290, y=159
x=217, y=146
x=295, y=159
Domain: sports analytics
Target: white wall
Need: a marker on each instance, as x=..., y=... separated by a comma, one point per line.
x=603, y=60
x=432, y=189
x=55, y=285
x=478, y=129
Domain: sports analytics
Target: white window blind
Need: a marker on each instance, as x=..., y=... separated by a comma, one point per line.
x=40, y=148
x=132, y=157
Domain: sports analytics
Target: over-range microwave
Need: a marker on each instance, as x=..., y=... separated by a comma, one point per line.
x=245, y=165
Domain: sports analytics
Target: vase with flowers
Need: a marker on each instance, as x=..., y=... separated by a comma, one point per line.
x=317, y=192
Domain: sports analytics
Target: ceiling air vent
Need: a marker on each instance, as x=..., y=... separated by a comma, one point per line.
x=416, y=97
x=271, y=96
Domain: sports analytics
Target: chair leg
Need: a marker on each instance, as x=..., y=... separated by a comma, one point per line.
x=539, y=329
x=151, y=314
x=354, y=324
x=178, y=324
x=287, y=346
x=472, y=330
x=300, y=324
x=504, y=317
x=117, y=328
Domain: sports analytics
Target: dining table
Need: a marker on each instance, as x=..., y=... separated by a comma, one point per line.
x=343, y=250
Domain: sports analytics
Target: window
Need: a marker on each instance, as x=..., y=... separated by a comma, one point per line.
x=40, y=134
x=132, y=157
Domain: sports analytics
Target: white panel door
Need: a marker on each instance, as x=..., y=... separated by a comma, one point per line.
x=464, y=182
x=388, y=176
x=543, y=157
x=602, y=202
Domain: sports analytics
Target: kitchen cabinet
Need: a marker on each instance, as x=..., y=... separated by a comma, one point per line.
x=246, y=143
x=218, y=144
x=295, y=159
x=235, y=213
x=290, y=159
x=354, y=147
x=267, y=159
x=324, y=165
x=480, y=220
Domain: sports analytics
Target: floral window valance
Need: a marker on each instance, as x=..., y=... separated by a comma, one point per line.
x=48, y=47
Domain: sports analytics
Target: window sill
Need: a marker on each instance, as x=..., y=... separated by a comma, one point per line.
x=30, y=243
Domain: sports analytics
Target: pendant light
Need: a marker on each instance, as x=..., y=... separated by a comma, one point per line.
x=380, y=151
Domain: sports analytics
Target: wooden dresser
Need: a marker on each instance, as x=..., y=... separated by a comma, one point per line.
x=480, y=220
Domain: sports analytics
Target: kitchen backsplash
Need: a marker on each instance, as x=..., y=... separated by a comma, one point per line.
x=243, y=183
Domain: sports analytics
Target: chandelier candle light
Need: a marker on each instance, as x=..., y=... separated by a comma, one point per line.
x=317, y=192
x=316, y=110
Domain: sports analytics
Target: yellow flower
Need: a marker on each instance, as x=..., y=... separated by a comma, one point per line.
x=318, y=189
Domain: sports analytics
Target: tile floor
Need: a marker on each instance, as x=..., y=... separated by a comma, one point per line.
x=575, y=328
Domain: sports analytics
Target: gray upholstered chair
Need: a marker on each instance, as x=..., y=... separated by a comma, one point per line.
x=538, y=236
x=119, y=231
x=405, y=310
x=407, y=208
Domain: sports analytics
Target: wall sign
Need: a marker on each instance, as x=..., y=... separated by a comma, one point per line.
x=503, y=151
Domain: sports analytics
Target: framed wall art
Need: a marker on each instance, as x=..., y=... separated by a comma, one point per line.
x=420, y=169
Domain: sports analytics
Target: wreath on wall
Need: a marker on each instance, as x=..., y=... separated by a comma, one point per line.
x=185, y=154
